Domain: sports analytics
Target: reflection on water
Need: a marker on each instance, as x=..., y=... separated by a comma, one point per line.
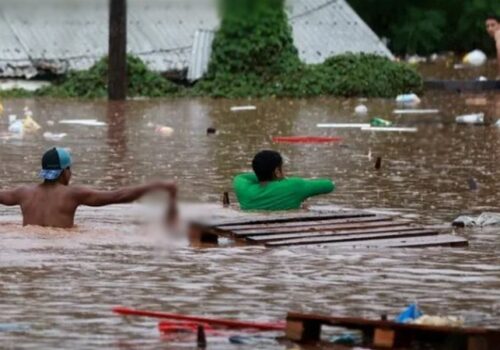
x=63, y=283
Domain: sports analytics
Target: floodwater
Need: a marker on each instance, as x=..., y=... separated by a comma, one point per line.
x=58, y=287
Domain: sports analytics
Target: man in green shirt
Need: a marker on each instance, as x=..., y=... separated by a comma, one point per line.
x=269, y=189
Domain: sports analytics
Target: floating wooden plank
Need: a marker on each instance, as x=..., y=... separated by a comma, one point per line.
x=306, y=224
x=411, y=242
x=306, y=328
x=280, y=218
x=286, y=236
x=344, y=230
x=328, y=228
x=352, y=239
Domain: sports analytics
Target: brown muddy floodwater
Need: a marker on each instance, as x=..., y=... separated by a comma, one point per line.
x=58, y=287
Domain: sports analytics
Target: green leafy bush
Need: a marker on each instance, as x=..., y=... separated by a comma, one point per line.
x=93, y=83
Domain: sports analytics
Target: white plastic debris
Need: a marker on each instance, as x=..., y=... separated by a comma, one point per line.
x=54, y=137
x=482, y=78
x=361, y=110
x=164, y=131
x=408, y=99
x=243, y=108
x=475, y=58
x=474, y=119
x=440, y=321
x=50, y=123
x=12, y=118
x=85, y=122
x=416, y=111
x=389, y=129
x=344, y=125
x=485, y=219
x=497, y=124
x=17, y=127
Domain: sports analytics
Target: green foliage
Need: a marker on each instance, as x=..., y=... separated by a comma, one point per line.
x=422, y=31
x=16, y=93
x=425, y=26
x=254, y=56
x=93, y=83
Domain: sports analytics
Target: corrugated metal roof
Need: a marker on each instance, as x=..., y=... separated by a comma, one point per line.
x=201, y=53
x=59, y=35
x=325, y=28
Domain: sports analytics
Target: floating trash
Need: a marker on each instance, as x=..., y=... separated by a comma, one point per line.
x=1, y=108
x=84, y=122
x=408, y=99
x=389, y=129
x=475, y=58
x=243, y=108
x=54, y=137
x=473, y=119
x=361, y=110
x=164, y=130
x=416, y=111
x=380, y=122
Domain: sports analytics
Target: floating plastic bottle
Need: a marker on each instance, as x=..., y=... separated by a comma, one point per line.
x=475, y=58
x=476, y=119
x=380, y=122
x=408, y=99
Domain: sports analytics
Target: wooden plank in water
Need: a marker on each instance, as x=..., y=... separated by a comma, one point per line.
x=410, y=242
x=327, y=228
x=292, y=224
x=352, y=239
x=277, y=218
x=286, y=236
x=388, y=334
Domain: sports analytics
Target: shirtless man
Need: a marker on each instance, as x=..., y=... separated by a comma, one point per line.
x=53, y=203
x=493, y=29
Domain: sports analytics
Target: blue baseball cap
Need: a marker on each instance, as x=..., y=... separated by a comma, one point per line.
x=54, y=162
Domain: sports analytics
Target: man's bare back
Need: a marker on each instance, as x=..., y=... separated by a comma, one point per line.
x=54, y=202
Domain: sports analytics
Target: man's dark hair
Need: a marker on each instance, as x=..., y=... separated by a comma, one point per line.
x=493, y=16
x=265, y=163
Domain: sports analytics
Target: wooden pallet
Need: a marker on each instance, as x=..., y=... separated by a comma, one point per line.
x=306, y=328
x=342, y=229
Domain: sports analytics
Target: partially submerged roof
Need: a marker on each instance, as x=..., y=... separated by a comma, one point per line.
x=62, y=35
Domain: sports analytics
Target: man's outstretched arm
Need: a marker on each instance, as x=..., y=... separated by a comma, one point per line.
x=10, y=197
x=95, y=198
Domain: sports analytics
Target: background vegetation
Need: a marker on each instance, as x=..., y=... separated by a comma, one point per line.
x=428, y=26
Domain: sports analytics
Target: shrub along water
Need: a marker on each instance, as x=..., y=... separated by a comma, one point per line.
x=93, y=83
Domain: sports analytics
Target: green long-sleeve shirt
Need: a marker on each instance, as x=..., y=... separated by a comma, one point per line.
x=286, y=194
